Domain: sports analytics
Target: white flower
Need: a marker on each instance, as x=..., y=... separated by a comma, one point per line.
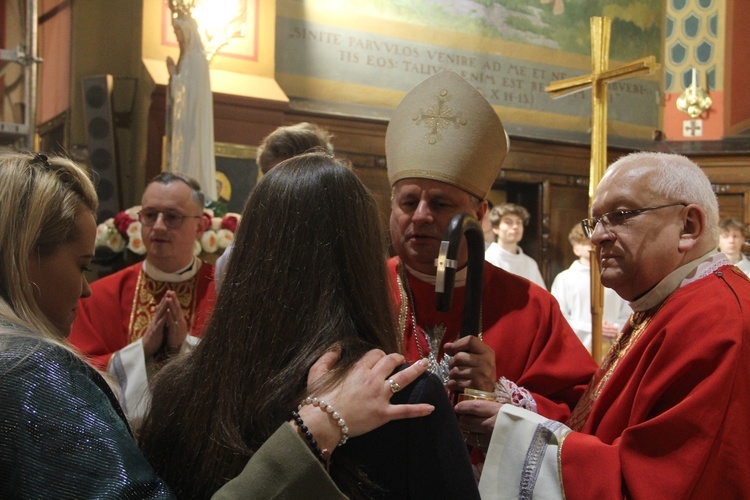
x=133, y=211
x=102, y=233
x=136, y=244
x=215, y=223
x=116, y=242
x=224, y=237
x=134, y=229
x=208, y=241
x=197, y=248
x=209, y=212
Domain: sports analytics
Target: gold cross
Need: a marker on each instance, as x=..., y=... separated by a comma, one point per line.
x=598, y=80
x=438, y=117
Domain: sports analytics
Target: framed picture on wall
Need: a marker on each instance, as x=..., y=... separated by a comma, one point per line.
x=236, y=174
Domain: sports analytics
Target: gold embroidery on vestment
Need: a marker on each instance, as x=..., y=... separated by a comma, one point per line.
x=624, y=343
x=148, y=294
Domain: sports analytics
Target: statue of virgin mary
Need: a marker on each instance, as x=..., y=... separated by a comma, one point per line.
x=190, y=113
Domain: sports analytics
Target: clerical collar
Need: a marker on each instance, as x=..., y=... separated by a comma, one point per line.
x=430, y=278
x=690, y=272
x=184, y=274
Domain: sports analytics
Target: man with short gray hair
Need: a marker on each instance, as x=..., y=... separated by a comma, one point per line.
x=665, y=416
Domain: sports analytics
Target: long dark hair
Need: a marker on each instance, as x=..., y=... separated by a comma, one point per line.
x=307, y=272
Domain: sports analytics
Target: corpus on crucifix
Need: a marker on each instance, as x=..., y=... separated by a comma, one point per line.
x=597, y=81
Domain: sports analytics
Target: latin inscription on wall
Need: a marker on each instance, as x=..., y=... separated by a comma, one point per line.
x=354, y=57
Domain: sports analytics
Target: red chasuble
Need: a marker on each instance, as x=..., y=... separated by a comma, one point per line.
x=534, y=345
x=668, y=414
x=121, y=305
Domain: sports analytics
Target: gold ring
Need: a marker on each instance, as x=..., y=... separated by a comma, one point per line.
x=394, y=386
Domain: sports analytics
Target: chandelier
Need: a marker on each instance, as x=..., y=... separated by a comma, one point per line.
x=695, y=99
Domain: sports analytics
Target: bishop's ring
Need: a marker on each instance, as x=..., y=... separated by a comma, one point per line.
x=394, y=386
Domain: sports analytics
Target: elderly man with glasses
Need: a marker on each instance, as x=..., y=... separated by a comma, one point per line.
x=139, y=317
x=665, y=416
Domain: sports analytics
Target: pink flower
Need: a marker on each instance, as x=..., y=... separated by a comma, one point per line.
x=207, y=219
x=230, y=222
x=122, y=222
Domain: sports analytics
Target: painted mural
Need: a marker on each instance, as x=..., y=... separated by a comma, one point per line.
x=363, y=55
x=555, y=24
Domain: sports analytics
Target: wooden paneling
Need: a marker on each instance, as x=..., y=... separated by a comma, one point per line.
x=569, y=204
x=732, y=206
x=557, y=173
x=725, y=169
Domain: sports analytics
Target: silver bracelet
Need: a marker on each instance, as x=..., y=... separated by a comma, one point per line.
x=331, y=412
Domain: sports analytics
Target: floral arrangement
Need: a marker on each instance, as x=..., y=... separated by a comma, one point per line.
x=122, y=233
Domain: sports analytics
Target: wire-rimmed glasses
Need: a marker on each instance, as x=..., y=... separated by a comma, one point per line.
x=173, y=220
x=618, y=218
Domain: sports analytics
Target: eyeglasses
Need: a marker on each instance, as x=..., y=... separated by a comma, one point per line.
x=173, y=220
x=617, y=218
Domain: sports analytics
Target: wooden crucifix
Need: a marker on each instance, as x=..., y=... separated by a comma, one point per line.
x=597, y=81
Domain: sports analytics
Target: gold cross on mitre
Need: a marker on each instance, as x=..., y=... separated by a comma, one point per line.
x=438, y=117
x=598, y=80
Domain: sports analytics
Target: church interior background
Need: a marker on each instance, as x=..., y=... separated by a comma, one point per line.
x=89, y=79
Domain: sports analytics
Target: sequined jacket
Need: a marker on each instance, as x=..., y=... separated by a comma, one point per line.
x=62, y=432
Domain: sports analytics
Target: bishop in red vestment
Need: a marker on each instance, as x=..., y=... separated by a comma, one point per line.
x=445, y=145
x=533, y=345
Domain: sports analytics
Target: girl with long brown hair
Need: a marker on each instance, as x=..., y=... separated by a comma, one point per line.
x=307, y=274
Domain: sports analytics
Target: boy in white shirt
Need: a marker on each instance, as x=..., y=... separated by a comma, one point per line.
x=508, y=221
x=572, y=289
x=731, y=239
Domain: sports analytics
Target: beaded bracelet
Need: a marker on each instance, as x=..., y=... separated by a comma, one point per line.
x=322, y=455
x=332, y=413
